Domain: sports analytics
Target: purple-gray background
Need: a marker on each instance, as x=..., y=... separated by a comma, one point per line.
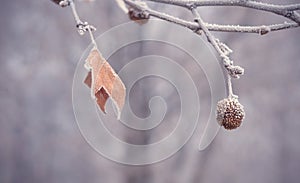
x=39, y=138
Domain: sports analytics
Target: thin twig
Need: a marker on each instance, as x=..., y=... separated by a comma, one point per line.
x=75, y=14
x=287, y=11
x=207, y=33
x=243, y=3
x=216, y=44
x=229, y=87
x=82, y=26
x=92, y=36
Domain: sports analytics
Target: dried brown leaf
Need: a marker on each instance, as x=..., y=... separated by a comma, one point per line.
x=104, y=82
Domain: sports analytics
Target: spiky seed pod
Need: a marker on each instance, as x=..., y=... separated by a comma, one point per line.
x=230, y=113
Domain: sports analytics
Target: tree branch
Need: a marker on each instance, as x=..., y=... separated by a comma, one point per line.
x=217, y=45
x=261, y=29
x=198, y=26
x=81, y=26
x=287, y=11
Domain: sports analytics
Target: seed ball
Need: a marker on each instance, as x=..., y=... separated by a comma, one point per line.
x=230, y=113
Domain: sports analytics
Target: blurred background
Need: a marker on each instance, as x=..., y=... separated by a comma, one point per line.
x=39, y=137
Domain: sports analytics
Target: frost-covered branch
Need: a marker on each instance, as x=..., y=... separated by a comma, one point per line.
x=221, y=48
x=139, y=11
x=199, y=25
x=288, y=11
x=260, y=29
x=81, y=26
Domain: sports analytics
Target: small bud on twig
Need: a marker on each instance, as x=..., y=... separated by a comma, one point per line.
x=264, y=30
x=138, y=16
x=62, y=3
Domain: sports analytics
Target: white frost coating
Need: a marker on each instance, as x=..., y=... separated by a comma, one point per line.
x=287, y=11
x=264, y=30
x=276, y=9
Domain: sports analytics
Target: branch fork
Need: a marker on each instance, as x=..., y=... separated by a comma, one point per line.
x=139, y=10
x=103, y=81
x=199, y=26
x=85, y=27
